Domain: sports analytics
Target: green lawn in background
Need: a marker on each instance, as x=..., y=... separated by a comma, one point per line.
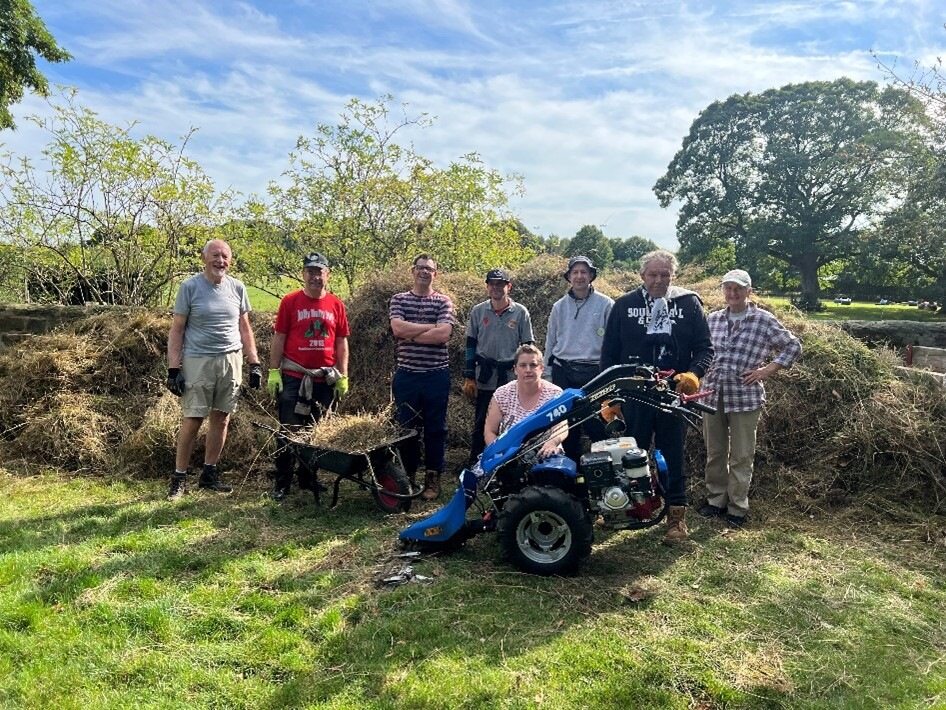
x=112, y=597
x=861, y=310
x=267, y=299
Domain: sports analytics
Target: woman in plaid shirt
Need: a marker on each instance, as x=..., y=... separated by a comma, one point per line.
x=744, y=337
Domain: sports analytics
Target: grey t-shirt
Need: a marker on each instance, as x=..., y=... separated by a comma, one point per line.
x=213, y=314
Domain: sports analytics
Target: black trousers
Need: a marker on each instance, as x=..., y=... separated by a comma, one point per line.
x=483, y=398
x=573, y=377
x=323, y=396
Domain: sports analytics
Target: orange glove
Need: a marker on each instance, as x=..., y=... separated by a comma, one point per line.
x=610, y=412
x=469, y=389
x=687, y=383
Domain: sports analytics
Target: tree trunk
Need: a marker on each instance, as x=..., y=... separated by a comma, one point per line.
x=810, y=290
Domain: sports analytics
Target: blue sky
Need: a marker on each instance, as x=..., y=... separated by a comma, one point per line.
x=587, y=101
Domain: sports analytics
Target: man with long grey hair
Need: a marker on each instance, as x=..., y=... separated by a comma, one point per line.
x=662, y=325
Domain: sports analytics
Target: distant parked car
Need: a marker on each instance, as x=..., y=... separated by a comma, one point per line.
x=843, y=300
x=912, y=303
x=883, y=302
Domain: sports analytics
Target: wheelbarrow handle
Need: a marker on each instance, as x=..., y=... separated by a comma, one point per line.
x=265, y=427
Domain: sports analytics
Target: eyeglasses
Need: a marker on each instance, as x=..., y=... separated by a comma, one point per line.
x=430, y=269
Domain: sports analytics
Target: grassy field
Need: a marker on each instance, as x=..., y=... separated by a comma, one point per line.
x=861, y=310
x=112, y=597
x=268, y=299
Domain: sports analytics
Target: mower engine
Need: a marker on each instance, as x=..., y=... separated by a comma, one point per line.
x=621, y=486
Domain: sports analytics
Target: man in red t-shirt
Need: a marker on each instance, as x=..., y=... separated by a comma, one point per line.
x=311, y=333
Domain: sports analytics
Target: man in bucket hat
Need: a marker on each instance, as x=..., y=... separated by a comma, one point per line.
x=496, y=328
x=308, y=361
x=574, y=338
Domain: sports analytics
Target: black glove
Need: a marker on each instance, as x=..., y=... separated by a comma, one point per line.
x=256, y=376
x=175, y=381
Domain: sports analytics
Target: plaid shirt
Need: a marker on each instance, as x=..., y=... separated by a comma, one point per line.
x=742, y=346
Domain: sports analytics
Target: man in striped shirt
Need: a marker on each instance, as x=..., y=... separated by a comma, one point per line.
x=422, y=320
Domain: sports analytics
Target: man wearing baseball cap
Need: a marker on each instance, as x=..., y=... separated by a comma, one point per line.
x=308, y=360
x=744, y=337
x=573, y=340
x=497, y=327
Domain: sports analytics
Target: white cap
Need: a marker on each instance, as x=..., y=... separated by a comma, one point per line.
x=738, y=276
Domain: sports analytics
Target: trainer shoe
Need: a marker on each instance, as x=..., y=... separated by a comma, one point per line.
x=736, y=521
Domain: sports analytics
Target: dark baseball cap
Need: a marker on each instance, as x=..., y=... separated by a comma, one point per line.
x=580, y=260
x=498, y=275
x=315, y=259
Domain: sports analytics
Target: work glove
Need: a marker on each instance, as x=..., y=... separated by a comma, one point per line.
x=610, y=412
x=341, y=386
x=274, y=382
x=687, y=383
x=256, y=376
x=469, y=389
x=175, y=383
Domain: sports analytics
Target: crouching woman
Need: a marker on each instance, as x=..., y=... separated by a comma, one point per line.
x=751, y=345
x=516, y=400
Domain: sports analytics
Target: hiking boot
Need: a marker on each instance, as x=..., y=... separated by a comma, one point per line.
x=676, y=525
x=210, y=480
x=178, y=486
x=708, y=510
x=279, y=493
x=431, y=485
x=736, y=521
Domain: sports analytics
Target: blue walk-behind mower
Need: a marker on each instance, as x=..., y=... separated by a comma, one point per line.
x=544, y=510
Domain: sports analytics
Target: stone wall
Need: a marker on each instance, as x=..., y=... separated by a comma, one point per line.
x=17, y=321
x=897, y=333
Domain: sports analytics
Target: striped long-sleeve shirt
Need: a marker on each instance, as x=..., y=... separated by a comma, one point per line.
x=435, y=308
x=742, y=346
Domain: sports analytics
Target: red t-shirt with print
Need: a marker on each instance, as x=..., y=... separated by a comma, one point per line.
x=311, y=326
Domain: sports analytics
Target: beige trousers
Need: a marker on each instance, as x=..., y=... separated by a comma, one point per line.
x=730, y=451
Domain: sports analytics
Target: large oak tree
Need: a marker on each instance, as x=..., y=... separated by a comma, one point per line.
x=796, y=174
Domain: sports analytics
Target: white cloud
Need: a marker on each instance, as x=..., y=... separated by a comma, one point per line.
x=588, y=101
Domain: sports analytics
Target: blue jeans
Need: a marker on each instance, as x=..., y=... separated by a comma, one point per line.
x=420, y=401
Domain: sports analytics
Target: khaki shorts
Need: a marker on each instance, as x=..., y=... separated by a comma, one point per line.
x=211, y=383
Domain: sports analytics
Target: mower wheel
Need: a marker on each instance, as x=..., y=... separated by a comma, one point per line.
x=544, y=530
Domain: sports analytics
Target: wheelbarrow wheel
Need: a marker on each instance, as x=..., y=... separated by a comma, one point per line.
x=392, y=478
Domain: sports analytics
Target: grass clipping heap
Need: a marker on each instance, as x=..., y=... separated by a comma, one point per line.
x=90, y=396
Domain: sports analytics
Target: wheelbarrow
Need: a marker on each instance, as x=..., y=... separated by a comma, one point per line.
x=379, y=470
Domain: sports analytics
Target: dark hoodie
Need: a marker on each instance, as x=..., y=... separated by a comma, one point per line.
x=687, y=349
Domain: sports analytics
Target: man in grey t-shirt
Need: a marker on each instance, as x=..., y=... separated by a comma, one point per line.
x=210, y=332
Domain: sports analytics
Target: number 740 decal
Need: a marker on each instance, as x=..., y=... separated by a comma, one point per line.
x=557, y=412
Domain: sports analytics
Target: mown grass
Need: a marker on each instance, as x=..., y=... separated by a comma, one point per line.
x=112, y=597
x=860, y=310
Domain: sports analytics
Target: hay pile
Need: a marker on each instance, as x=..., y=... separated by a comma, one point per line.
x=91, y=396
x=354, y=433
